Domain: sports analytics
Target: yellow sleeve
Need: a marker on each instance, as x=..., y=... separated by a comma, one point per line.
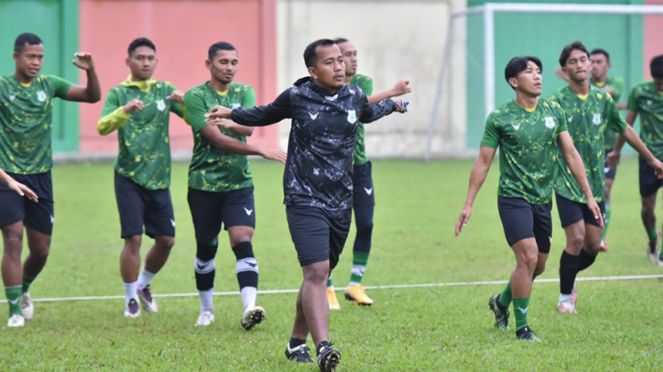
x=113, y=121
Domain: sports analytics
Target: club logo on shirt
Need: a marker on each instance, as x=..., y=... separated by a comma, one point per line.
x=236, y=105
x=516, y=127
x=41, y=96
x=596, y=119
x=161, y=105
x=352, y=116
x=550, y=122
x=12, y=97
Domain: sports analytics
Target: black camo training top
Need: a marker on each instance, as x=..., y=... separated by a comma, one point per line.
x=318, y=170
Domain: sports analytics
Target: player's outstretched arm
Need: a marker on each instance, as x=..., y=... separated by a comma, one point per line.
x=90, y=93
x=223, y=142
x=402, y=87
x=613, y=158
x=242, y=130
x=258, y=116
x=634, y=140
x=477, y=177
x=574, y=161
x=372, y=112
x=20, y=188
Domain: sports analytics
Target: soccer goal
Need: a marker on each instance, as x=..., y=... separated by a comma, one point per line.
x=481, y=40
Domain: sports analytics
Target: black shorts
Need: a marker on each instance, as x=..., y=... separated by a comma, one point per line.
x=140, y=207
x=210, y=210
x=15, y=208
x=522, y=220
x=649, y=183
x=571, y=212
x=319, y=234
x=610, y=172
x=363, y=194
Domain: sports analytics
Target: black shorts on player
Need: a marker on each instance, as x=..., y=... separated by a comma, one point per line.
x=363, y=194
x=319, y=234
x=522, y=220
x=15, y=208
x=210, y=210
x=649, y=182
x=610, y=172
x=571, y=212
x=140, y=207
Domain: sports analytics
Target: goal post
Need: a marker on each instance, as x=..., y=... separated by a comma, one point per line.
x=546, y=29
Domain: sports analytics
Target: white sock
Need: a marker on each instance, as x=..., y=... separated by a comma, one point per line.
x=145, y=278
x=352, y=284
x=564, y=297
x=249, y=295
x=130, y=291
x=206, y=303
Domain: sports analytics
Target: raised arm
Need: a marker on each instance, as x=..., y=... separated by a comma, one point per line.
x=372, y=112
x=574, y=161
x=258, y=116
x=477, y=177
x=398, y=90
x=90, y=93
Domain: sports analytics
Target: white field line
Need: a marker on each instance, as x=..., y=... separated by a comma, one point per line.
x=396, y=286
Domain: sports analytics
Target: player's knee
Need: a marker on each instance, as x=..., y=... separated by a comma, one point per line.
x=13, y=237
x=165, y=242
x=529, y=260
x=317, y=272
x=132, y=243
x=206, y=251
x=647, y=209
x=575, y=242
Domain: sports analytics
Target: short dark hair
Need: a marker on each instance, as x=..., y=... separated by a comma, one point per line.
x=519, y=64
x=25, y=38
x=310, y=57
x=656, y=67
x=600, y=51
x=566, y=52
x=341, y=40
x=221, y=45
x=141, y=41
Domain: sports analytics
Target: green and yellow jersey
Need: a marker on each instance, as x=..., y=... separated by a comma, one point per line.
x=366, y=84
x=143, y=137
x=589, y=118
x=647, y=101
x=214, y=169
x=26, y=121
x=617, y=85
x=527, y=140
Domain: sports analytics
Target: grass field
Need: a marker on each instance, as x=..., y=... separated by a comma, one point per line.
x=415, y=329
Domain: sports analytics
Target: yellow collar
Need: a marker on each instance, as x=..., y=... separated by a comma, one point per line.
x=144, y=86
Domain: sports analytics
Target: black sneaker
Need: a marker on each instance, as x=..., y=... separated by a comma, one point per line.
x=132, y=309
x=501, y=315
x=328, y=357
x=300, y=354
x=527, y=334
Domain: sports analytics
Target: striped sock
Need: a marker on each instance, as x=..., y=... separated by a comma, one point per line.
x=359, y=261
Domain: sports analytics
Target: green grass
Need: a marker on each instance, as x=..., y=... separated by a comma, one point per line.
x=420, y=329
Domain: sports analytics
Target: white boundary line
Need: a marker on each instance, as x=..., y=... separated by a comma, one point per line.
x=396, y=286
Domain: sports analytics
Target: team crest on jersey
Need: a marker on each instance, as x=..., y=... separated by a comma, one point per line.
x=550, y=122
x=596, y=119
x=161, y=105
x=41, y=96
x=236, y=105
x=352, y=116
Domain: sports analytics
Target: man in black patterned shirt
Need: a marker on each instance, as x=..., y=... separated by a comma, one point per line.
x=317, y=181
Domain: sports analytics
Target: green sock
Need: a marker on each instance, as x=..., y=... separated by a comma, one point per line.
x=329, y=282
x=520, y=308
x=653, y=234
x=359, y=261
x=13, y=299
x=608, y=212
x=26, y=283
x=505, y=296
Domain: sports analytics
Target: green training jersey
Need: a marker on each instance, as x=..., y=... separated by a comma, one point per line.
x=214, y=169
x=144, y=155
x=26, y=122
x=589, y=118
x=617, y=85
x=528, y=148
x=647, y=101
x=366, y=84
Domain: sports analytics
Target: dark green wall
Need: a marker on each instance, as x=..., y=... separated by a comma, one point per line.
x=56, y=22
x=544, y=36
